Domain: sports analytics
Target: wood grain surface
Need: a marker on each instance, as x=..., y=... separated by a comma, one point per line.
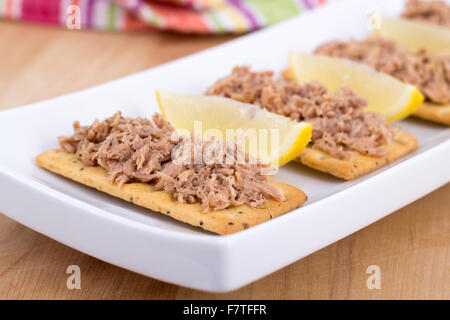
x=411, y=246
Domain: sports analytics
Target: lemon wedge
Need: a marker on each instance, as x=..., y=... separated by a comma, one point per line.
x=269, y=136
x=385, y=94
x=415, y=35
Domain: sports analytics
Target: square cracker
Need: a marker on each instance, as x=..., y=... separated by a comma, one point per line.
x=358, y=164
x=222, y=222
x=434, y=112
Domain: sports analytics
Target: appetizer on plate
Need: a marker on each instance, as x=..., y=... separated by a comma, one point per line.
x=147, y=163
x=414, y=49
x=428, y=72
x=398, y=101
x=266, y=135
x=346, y=141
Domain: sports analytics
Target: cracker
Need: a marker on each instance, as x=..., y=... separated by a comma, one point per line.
x=434, y=112
x=222, y=222
x=358, y=164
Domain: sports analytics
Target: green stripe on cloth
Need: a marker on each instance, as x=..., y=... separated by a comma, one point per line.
x=275, y=11
x=112, y=16
x=155, y=20
x=217, y=25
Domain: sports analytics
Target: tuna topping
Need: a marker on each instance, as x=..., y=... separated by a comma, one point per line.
x=436, y=12
x=340, y=127
x=430, y=73
x=226, y=176
x=142, y=150
x=130, y=149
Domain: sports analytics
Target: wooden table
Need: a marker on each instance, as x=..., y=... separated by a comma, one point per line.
x=411, y=246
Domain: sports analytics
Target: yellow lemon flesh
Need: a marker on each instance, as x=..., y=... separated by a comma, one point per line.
x=277, y=139
x=385, y=94
x=415, y=35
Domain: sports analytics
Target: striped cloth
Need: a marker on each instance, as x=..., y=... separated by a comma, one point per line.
x=190, y=16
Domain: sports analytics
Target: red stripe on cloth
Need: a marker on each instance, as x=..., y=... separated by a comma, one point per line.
x=132, y=23
x=8, y=9
x=41, y=11
x=183, y=20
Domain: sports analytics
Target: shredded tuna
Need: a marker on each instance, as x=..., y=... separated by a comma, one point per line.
x=339, y=124
x=224, y=177
x=130, y=149
x=436, y=12
x=430, y=73
x=141, y=150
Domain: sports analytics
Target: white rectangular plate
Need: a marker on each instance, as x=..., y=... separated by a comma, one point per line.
x=157, y=246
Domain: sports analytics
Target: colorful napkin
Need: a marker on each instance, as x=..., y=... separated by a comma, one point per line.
x=189, y=16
